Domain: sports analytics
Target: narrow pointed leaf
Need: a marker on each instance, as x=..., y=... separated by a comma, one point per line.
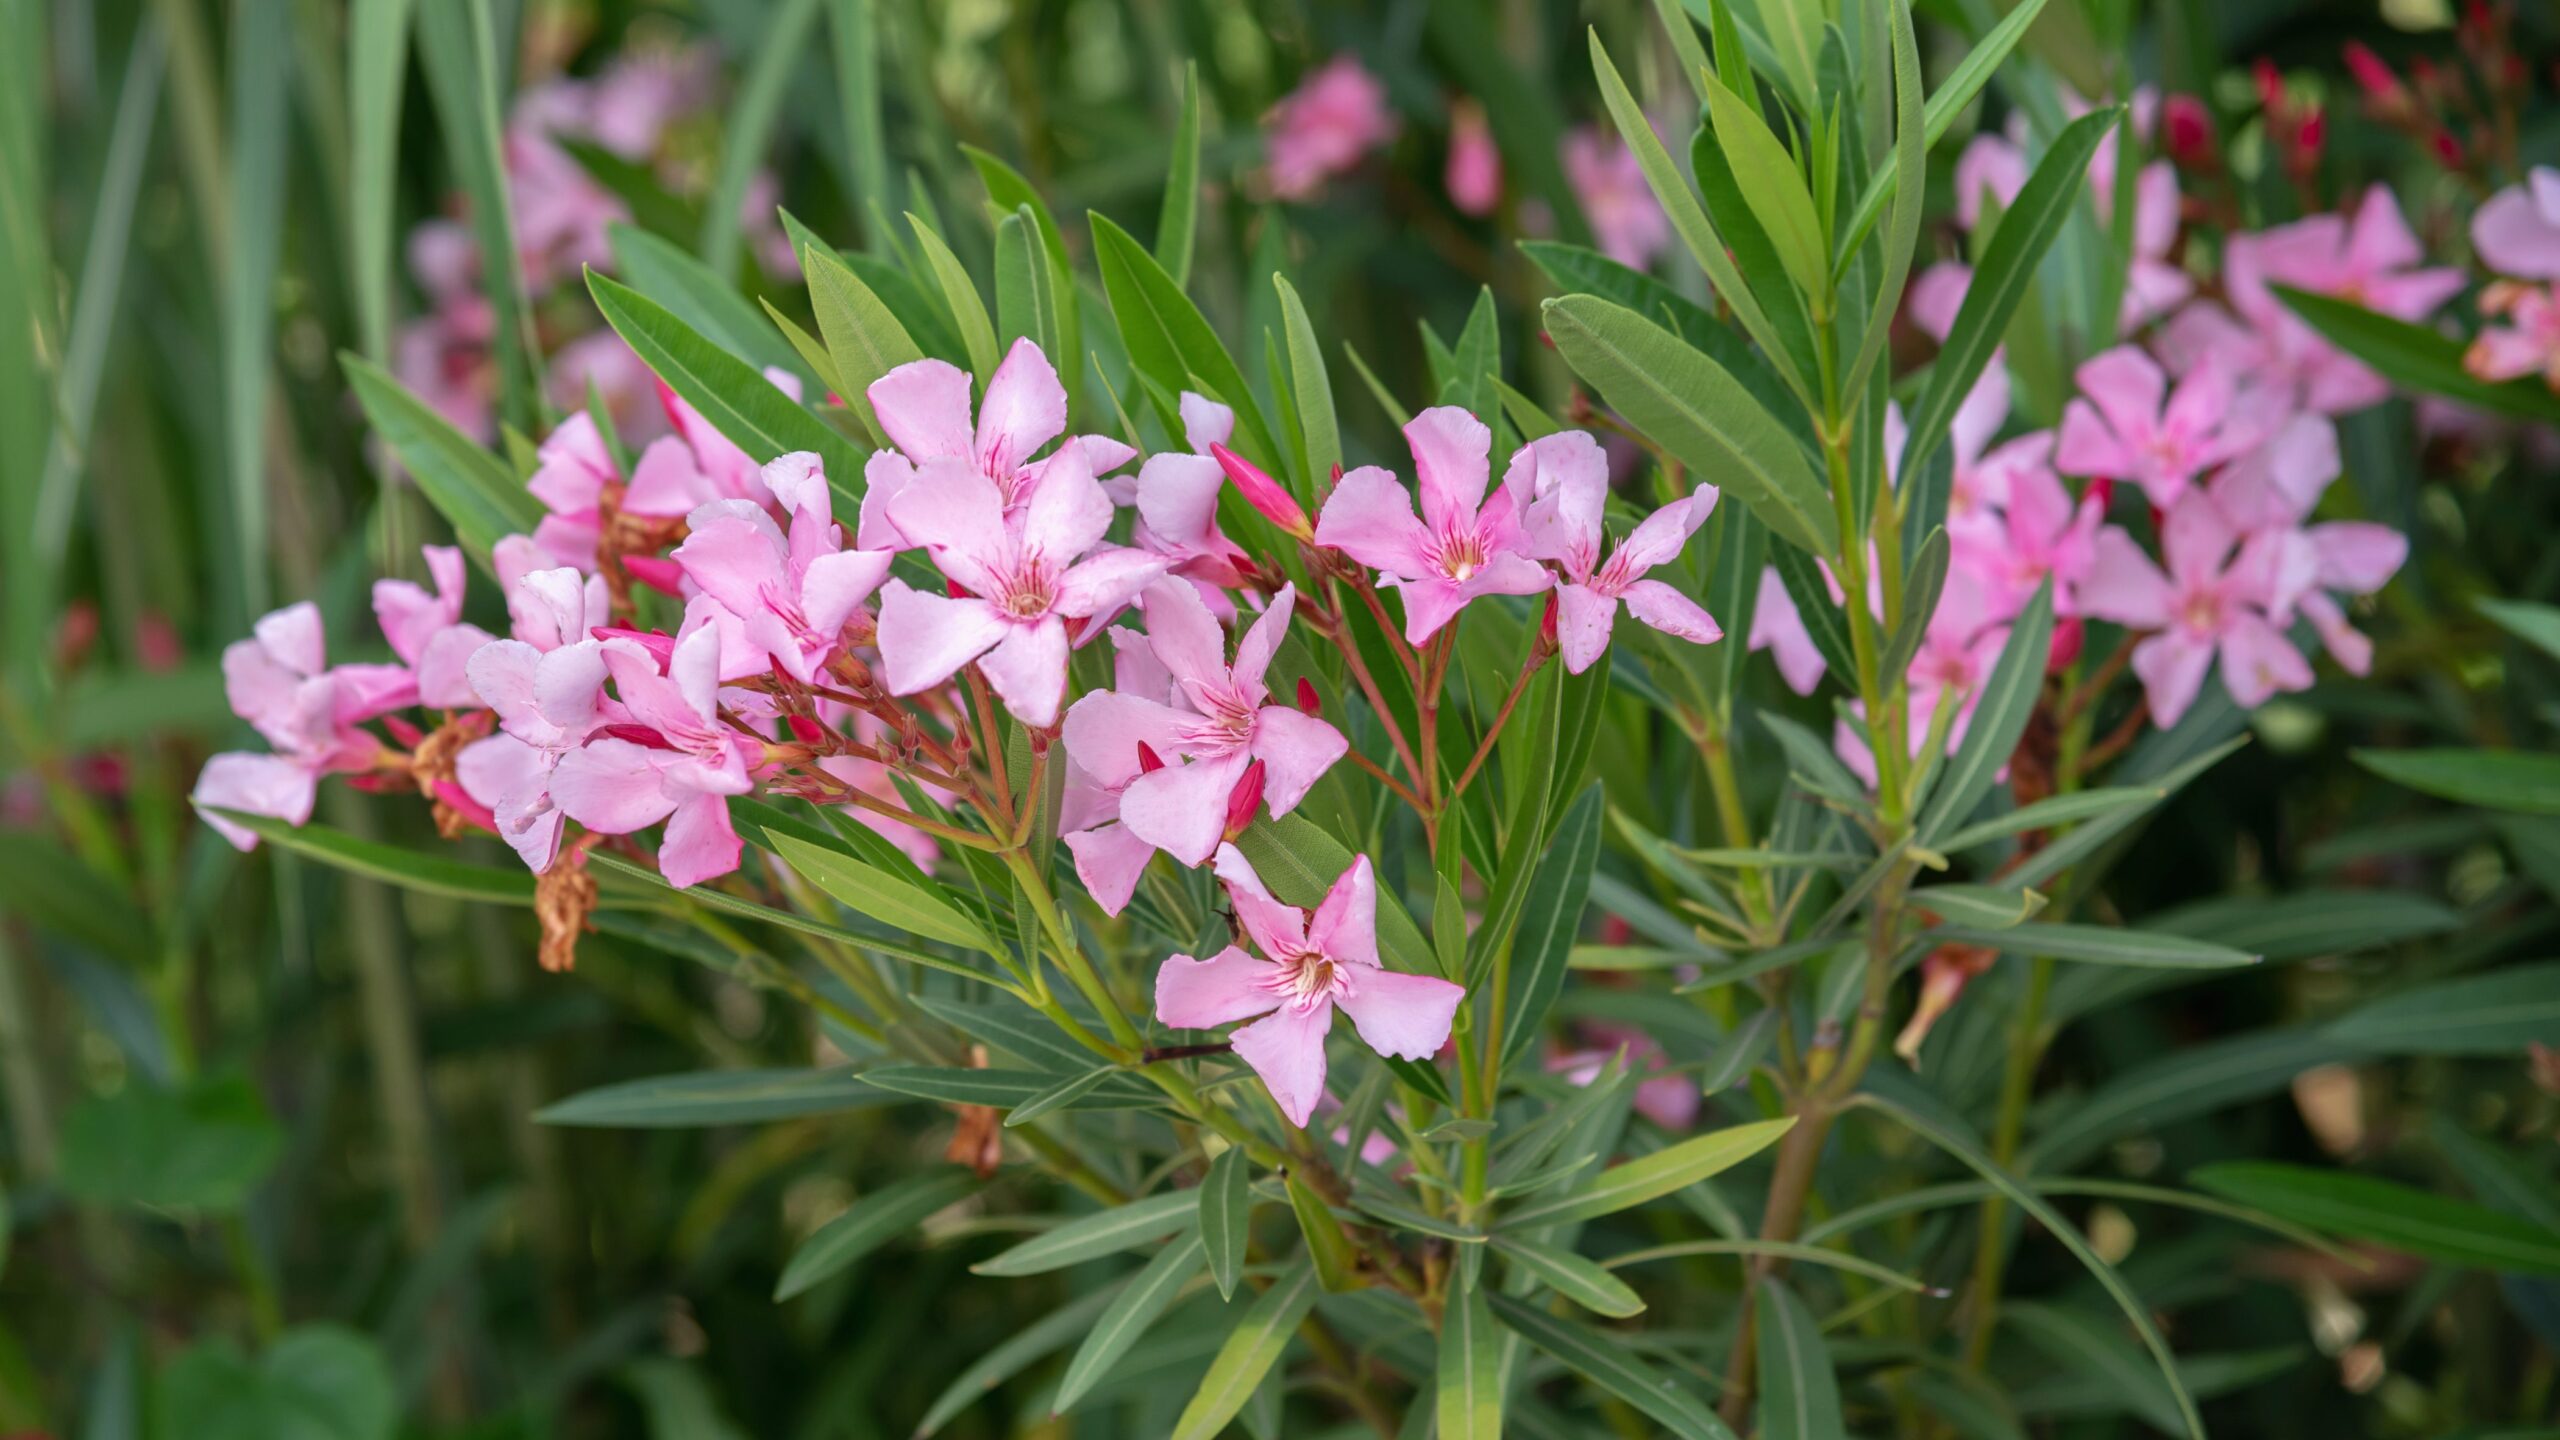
x=1579, y=1280
x=874, y=1220
x=1598, y=1357
x=1124, y=1227
x=1467, y=1391
x=1656, y=1175
x=1799, y=1396
x=1226, y=1217
x=1999, y=717
x=1139, y=1305
x=1251, y=1349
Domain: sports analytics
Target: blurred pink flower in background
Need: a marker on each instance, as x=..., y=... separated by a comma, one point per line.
x=1626, y=221
x=1337, y=114
x=1474, y=175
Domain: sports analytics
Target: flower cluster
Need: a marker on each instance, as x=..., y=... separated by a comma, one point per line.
x=859, y=667
x=2517, y=235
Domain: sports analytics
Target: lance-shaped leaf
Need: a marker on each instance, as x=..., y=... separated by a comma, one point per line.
x=1999, y=717
x=2414, y=357
x=863, y=337
x=2511, y=780
x=2499, y=1013
x=714, y=1097
x=1606, y=1362
x=1251, y=1349
x=1910, y=145
x=1579, y=1280
x=1689, y=405
x=1170, y=342
x=2413, y=1221
x=1123, y=1227
x=2094, y=944
x=1139, y=1304
x=1226, y=1217
x=472, y=489
x=874, y=1220
x=1467, y=1391
x=910, y=905
x=1799, y=1396
x=1948, y=101
x=1773, y=187
x=1652, y=1177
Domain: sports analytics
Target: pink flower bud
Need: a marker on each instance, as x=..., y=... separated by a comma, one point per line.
x=2102, y=491
x=1149, y=762
x=657, y=572
x=1244, y=800
x=636, y=734
x=2069, y=635
x=451, y=794
x=806, y=730
x=1547, y=626
x=1308, y=701
x=2188, y=127
x=1263, y=493
x=2381, y=83
x=403, y=731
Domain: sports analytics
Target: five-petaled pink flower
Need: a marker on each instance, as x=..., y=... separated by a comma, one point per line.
x=546, y=686
x=2131, y=426
x=2209, y=603
x=1308, y=966
x=1463, y=546
x=1225, y=721
x=279, y=681
x=675, y=760
x=1560, y=484
x=791, y=595
x=923, y=407
x=1023, y=574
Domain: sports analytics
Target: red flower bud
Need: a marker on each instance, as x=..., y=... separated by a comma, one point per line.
x=807, y=730
x=1244, y=800
x=2447, y=148
x=2103, y=491
x=2189, y=130
x=1263, y=493
x=403, y=731
x=637, y=735
x=1148, y=761
x=1308, y=699
x=2381, y=83
x=2308, y=140
x=1547, y=641
x=953, y=589
x=2069, y=635
x=657, y=572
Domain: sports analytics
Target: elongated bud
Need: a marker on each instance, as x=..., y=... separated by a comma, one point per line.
x=1244, y=800
x=1942, y=978
x=2189, y=129
x=1547, y=622
x=1149, y=762
x=807, y=730
x=1263, y=493
x=403, y=731
x=2069, y=634
x=2381, y=83
x=655, y=571
x=1308, y=700
x=637, y=735
x=954, y=589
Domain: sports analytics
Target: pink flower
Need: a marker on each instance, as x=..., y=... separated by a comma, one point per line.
x=1023, y=574
x=2518, y=231
x=1991, y=165
x=1309, y=965
x=1963, y=641
x=603, y=363
x=2154, y=286
x=792, y=596
x=1625, y=219
x=2269, y=495
x=697, y=464
x=1109, y=856
x=2209, y=604
x=1474, y=175
x=546, y=686
x=1560, y=485
x=2529, y=344
x=278, y=681
x=1778, y=627
x=1936, y=295
x=1221, y=722
x=1463, y=547
x=427, y=632
x=923, y=407
x=572, y=469
x=2038, y=532
x=1176, y=497
x=615, y=784
x=1321, y=129
x=2128, y=426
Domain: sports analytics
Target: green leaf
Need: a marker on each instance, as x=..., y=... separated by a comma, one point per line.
x=960, y=300
x=2415, y=357
x=747, y=127
x=1672, y=1168
x=202, y=1147
x=1026, y=303
x=1042, y=1338
x=1179, y=220
x=1573, y=1277
x=854, y=26
x=2082, y=1345
x=916, y=906
x=2100, y=945
x=1328, y=1249
x=1320, y=432
x=377, y=71
x=863, y=337
x=457, y=43
x=1691, y=406
x=1910, y=146
x=738, y=401
x=1139, y=1305
x=1738, y=1054
x=2531, y=621
x=2495, y=1014
x=478, y=496
x=1953, y=95
x=1680, y=203
x=1920, y=591
x=47, y=883
x=714, y=1097
x=426, y=872
x=1799, y=1397
x=1946, y=1134
x=1300, y=862
x=1773, y=187
x=2196, y=1080
x=1002, y=1089
x=2052, y=812
x=1124, y=1227
x=694, y=293
x=1226, y=1217
x=1467, y=1391
x=1168, y=340
x=2413, y=1221
x=1065, y=1092
x=2008, y=269
x=2511, y=780
x=1550, y=917
x=873, y=1221
x=1248, y=1354
x=1999, y=716
x=1608, y=1363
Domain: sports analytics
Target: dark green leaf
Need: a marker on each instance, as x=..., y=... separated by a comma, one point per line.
x=714, y=1097
x=2416, y=1222
x=874, y=1220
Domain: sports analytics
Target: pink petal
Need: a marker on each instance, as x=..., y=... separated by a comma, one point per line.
x=2128, y=390
x=2172, y=667
x=1205, y=994
x=1286, y=1048
x=1560, y=484
x=1345, y=927
x=1369, y=517
x=667, y=482
x=1105, y=728
x=612, y=786
x=294, y=639
x=268, y=785
x=700, y=845
x=568, y=686
x=1068, y=511
x=1451, y=460
x=1178, y=497
x=1182, y=808
x=1109, y=861
x=1295, y=749
x=923, y=407
x=1023, y=409
x=2357, y=556
x=884, y=475
x=798, y=481
x=2195, y=539
x=1674, y=614
x=2124, y=586
x=502, y=673
x=1584, y=618
x=958, y=514
x=1262, y=641
x=1406, y=1016
x=1276, y=929
x=1028, y=669
x=1205, y=422
x=925, y=639
x=1105, y=581
x=1186, y=638
x=734, y=553
x=2515, y=237
x=2258, y=662
x=443, y=681
x=2380, y=239
x=1659, y=538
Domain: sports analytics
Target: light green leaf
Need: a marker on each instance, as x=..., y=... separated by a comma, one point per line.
x=747, y=127
x=2052, y=812
x=1773, y=187
x=1179, y=220
x=1226, y=1217
x=458, y=45
x=1799, y=1396
x=714, y=1097
x=1139, y=1305
x=1579, y=1280
x=1692, y=407
x=1651, y=1177
x=1910, y=146
x=694, y=293
x=855, y=28
x=1251, y=1349
x=478, y=496
x=1320, y=433
x=1948, y=101
x=874, y=1220
x=2511, y=780
x=2531, y=621
x=2413, y=1221
x=1467, y=1391
x=377, y=72
x=203, y=1147
x=1980, y=907
x=1550, y=917
x=1065, y=1092
x=863, y=338
x=915, y=906
x=1124, y=1227
x=960, y=300
x=1328, y=1249
x=2102, y=945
